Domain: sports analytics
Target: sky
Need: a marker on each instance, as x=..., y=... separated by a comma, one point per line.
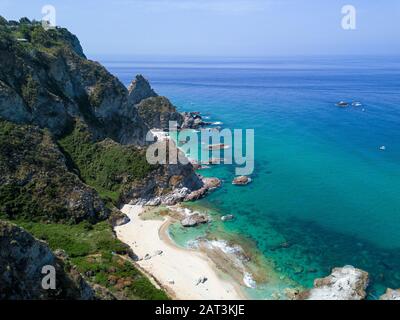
x=222, y=28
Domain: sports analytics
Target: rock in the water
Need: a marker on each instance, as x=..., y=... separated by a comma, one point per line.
x=241, y=181
x=391, y=295
x=192, y=120
x=208, y=185
x=194, y=220
x=347, y=283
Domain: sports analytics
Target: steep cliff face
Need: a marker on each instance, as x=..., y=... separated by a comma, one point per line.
x=22, y=258
x=140, y=89
x=35, y=182
x=122, y=172
x=72, y=140
x=47, y=81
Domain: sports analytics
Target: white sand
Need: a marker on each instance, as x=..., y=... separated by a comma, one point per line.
x=176, y=269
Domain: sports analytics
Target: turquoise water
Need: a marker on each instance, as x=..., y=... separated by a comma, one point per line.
x=321, y=184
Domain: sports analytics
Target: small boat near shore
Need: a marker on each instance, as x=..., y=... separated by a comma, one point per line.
x=342, y=104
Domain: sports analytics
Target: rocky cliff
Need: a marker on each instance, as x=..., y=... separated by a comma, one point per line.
x=47, y=81
x=140, y=89
x=347, y=283
x=157, y=112
x=36, y=183
x=72, y=147
x=22, y=258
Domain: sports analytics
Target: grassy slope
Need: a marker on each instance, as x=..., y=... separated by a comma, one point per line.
x=89, y=246
x=106, y=166
x=94, y=250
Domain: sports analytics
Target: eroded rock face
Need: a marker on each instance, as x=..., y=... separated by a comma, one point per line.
x=35, y=181
x=347, y=283
x=117, y=218
x=21, y=260
x=391, y=295
x=140, y=89
x=52, y=88
x=209, y=184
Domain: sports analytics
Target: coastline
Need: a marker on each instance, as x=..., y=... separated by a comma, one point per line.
x=177, y=270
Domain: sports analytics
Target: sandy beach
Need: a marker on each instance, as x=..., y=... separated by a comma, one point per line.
x=177, y=270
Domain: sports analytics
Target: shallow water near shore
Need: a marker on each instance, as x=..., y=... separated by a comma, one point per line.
x=323, y=195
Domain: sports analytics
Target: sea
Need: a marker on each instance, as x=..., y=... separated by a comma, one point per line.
x=325, y=190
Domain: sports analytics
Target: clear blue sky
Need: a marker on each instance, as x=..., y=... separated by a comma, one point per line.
x=222, y=27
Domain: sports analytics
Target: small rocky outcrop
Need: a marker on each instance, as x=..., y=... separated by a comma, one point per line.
x=157, y=112
x=22, y=258
x=391, y=295
x=209, y=184
x=140, y=89
x=347, y=283
x=194, y=220
x=241, y=181
x=192, y=120
x=117, y=218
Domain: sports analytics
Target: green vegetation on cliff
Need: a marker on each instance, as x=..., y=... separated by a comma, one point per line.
x=27, y=35
x=107, y=166
x=70, y=140
x=39, y=193
x=94, y=250
x=35, y=182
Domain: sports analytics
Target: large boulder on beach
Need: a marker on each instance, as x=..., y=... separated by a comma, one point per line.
x=347, y=283
x=194, y=220
x=241, y=181
x=391, y=295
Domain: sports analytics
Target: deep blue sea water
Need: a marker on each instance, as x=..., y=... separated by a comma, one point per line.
x=321, y=183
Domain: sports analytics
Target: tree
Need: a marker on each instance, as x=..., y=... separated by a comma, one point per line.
x=3, y=21
x=24, y=20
